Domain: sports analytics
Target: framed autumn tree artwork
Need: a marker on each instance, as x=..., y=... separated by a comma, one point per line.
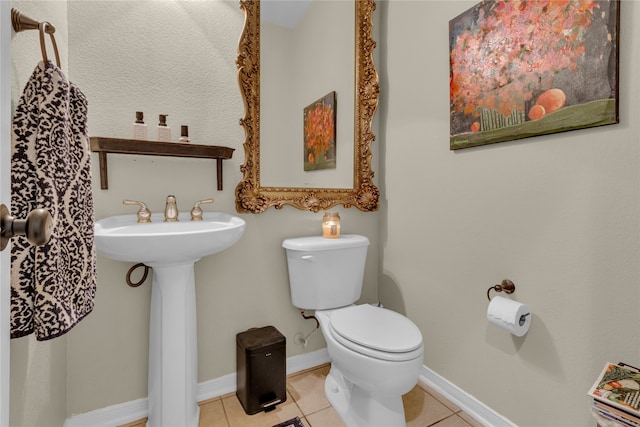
x=523, y=68
x=320, y=134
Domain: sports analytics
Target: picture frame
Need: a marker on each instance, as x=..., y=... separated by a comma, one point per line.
x=320, y=133
x=520, y=69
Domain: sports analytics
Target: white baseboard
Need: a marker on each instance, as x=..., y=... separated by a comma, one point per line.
x=307, y=360
x=110, y=416
x=469, y=404
x=137, y=409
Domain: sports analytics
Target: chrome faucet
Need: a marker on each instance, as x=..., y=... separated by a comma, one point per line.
x=144, y=214
x=171, y=209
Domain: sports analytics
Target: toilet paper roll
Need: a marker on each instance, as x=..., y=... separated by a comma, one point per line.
x=512, y=316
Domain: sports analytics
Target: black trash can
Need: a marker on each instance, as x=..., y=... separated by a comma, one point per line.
x=261, y=369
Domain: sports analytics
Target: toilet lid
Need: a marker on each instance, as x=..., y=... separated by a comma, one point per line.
x=376, y=328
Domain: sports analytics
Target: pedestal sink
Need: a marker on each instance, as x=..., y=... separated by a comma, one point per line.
x=172, y=249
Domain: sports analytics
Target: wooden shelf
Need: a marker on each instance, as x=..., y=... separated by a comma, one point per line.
x=104, y=146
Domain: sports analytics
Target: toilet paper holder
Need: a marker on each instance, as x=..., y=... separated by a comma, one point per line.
x=505, y=286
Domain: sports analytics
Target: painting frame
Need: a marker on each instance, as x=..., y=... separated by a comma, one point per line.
x=319, y=133
x=520, y=69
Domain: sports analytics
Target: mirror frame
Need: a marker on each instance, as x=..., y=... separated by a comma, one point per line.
x=251, y=197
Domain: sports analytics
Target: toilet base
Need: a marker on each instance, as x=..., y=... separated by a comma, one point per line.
x=359, y=408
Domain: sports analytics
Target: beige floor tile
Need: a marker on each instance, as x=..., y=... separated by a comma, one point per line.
x=452, y=421
x=238, y=418
x=212, y=414
x=469, y=419
x=449, y=404
x=138, y=423
x=307, y=389
x=306, y=399
x=421, y=409
x=327, y=417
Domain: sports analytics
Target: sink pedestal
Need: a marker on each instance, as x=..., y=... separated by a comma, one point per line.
x=173, y=348
x=171, y=249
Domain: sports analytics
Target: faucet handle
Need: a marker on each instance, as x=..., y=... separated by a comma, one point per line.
x=196, y=212
x=144, y=214
x=171, y=213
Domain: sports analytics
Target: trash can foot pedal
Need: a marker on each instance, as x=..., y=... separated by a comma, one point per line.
x=270, y=406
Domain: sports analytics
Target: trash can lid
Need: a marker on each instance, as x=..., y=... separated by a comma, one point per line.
x=259, y=337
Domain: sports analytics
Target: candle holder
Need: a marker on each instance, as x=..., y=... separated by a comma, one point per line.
x=331, y=225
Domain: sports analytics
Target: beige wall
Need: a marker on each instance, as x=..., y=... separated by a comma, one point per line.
x=558, y=215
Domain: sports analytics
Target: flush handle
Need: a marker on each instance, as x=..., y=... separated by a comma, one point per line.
x=309, y=258
x=37, y=227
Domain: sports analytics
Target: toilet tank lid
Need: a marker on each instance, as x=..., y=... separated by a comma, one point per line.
x=319, y=243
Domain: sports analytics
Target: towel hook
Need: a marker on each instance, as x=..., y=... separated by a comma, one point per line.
x=506, y=286
x=43, y=29
x=22, y=22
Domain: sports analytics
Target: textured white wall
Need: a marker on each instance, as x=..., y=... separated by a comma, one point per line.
x=178, y=58
x=558, y=215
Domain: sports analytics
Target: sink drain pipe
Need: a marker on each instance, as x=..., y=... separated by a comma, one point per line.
x=144, y=275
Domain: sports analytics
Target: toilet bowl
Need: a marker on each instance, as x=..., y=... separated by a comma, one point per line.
x=376, y=354
x=367, y=381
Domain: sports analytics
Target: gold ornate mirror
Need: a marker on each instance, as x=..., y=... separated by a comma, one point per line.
x=251, y=197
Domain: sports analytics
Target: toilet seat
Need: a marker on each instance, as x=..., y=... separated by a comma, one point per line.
x=376, y=332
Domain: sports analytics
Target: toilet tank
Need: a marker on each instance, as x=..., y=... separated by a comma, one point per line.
x=325, y=273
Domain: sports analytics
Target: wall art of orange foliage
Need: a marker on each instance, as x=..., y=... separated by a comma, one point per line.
x=525, y=68
x=320, y=134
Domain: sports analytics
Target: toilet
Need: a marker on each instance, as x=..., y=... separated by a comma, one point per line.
x=376, y=354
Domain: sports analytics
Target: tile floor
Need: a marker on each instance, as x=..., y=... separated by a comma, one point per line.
x=306, y=399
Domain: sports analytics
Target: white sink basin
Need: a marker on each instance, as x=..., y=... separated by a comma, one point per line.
x=171, y=248
x=122, y=238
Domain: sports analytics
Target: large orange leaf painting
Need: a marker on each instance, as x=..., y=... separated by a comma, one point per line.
x=320, y=134
x=522, y=68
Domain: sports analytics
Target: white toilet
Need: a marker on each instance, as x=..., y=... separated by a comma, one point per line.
x=376, y=354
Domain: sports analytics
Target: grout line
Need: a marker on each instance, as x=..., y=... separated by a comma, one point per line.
x=295, y=402
x=463, y=420
x=445, y=418
x=224, y=411
x=315, y=412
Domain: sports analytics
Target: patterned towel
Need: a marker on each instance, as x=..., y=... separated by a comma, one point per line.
x=52, y=286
